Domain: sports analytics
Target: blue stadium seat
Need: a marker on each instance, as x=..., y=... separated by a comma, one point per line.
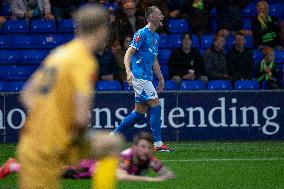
x=43, y=26
x=214, y=24
x=247, y=23
x=164, y=41
x=16, y=72
x=169, y=85
x=67, y=37
x=230, y=41
x=25, y=42
x=127, y=87
x=33, y=57
x=276, y=9
x=178, y=26
x=249, y=10
x=50, y=41
x=195, y=41
x=9, y=57
x=14, y=86
x=6, y=9
x=257, y=56
x=15, y=26
x=66, y=26
x=6, y=42
x=108, y=86
x=2, y=86
x=249, y=41
x=246, y=85
x=206, y=41
x=214, y=12
x=279, y=56
x=175, y=40
x=219, y=85
x=163, y=56
x=192, y=85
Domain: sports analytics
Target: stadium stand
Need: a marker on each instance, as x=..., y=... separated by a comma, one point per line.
x=219, y=85
x=15, y=26
x=108, y=86
x=24, y=43
x=192, y=85
x=178, y=26
x=43, y=26
x=246, y=85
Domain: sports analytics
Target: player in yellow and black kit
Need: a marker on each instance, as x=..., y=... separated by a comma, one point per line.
x=58, y=97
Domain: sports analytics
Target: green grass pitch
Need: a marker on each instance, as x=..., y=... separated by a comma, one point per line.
x=202, y=165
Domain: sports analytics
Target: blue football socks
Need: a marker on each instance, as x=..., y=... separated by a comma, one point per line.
x=155, y=122
x=129, y=121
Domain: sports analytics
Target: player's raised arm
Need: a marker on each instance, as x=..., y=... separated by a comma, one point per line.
x=127, y=58
x=159, y=75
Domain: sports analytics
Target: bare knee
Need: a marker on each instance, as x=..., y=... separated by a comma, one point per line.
x=153, y=102
x=141, y=108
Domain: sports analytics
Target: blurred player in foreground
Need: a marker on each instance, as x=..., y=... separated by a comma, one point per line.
x=58, y=98
x=140, y=62
x=135, y=162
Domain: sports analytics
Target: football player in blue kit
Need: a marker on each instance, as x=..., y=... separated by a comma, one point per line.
x=140, y=62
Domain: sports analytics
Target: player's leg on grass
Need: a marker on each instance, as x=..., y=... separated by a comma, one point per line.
x=10, y=166
x=106, y=150
x=133, y=118
x=155, y=122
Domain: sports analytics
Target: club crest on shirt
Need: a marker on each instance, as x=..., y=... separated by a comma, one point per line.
x=137, y=38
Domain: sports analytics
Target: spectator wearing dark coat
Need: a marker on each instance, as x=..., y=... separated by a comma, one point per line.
x=240, y=59
x=185, y=62
x=265, y=28
x=215, y=60
x=229, y=13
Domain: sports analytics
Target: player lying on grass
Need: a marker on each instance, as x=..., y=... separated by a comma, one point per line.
x=135, y=162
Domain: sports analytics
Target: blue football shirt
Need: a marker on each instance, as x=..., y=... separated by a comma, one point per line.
x=146, y=44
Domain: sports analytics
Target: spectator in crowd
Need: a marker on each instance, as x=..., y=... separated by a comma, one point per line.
x=128, y=21
x=3, y=13
x=229, y=14
x=176, y=8
x=240, y=59
x=215, y=60
x=106, y=62
x=268, y=71
x=62, y=9
x=185, y=62
x=265, y=28
x=120, y=74
x=31, y=9
x=199, y=15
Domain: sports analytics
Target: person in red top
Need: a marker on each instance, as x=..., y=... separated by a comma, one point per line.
x=134, y=164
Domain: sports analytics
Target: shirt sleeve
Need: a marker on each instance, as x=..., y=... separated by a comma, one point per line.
x=155, y=164
x=137, y=40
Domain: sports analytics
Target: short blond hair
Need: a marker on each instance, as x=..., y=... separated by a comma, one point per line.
x=89, y=18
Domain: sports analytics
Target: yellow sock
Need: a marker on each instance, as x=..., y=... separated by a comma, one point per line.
x=105, y=174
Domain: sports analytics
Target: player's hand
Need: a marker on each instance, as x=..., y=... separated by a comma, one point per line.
x=129, y=77
x=161, y=86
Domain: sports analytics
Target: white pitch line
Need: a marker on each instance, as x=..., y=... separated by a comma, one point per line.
x=224, y=159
